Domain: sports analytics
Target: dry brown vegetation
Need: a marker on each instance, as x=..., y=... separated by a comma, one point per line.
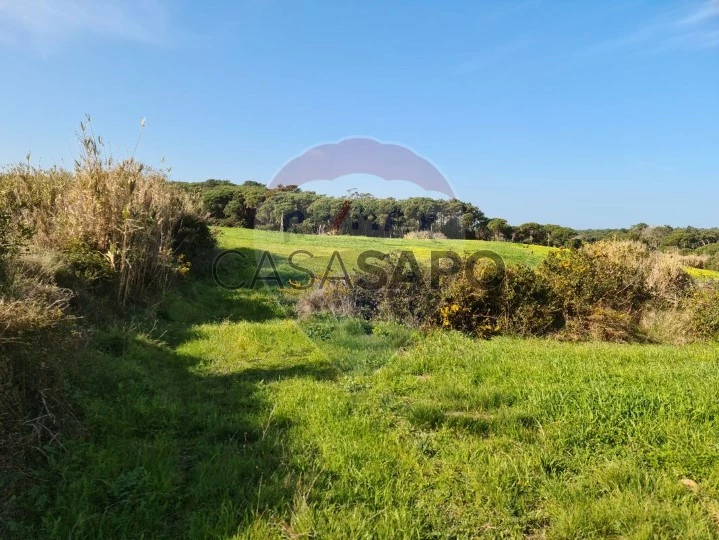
x=123, y=211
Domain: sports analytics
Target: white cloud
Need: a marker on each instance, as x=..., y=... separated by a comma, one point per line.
x=693, y=27
x=699, y=28
x=707, y=11
x=47, y=23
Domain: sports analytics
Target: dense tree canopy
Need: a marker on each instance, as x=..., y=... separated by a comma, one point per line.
x=287, y=208
x=290, y=209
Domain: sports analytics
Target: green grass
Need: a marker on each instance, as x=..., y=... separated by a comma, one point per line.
x=227, y=418
x=349, y=247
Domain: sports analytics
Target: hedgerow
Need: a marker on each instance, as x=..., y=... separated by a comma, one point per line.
x=602, y=291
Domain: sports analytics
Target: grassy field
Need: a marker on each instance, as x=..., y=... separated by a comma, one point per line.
x=228, y=418
x=349, y=247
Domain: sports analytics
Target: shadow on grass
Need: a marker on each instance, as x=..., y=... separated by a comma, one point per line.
x=169, y=450
x=204, y=301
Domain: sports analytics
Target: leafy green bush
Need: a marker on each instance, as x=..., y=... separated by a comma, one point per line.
x=87, y=264
x=528, y=304
x=193, y=241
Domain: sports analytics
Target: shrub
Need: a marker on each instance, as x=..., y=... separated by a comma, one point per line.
x=521, y=304
x=408, y=297
x=709, y=249
x=338, y=299
x=193, y=240
x=704, y=309
x=405, y=298
x=621, y=276
x=528, y=304
x=598, y=292
x=601, y=291
x=465, y=306
x=87, y=264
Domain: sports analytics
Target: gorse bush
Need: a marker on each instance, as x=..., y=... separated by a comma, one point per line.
x=606, y=275
x=520, y=303
x=602, y=291
x=704, y=309
x=624, y=277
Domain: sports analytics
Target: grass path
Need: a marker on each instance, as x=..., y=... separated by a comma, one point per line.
x=228, y=419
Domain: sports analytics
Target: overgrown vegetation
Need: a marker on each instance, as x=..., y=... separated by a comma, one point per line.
x=602, y=291
x=90, y=242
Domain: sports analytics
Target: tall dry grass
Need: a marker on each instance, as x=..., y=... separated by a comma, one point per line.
x=662, y=274
x=122, y=209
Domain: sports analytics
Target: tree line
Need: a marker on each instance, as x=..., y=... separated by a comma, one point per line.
x=288, y=208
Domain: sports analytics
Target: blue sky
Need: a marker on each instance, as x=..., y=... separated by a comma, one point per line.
x=588, y=114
